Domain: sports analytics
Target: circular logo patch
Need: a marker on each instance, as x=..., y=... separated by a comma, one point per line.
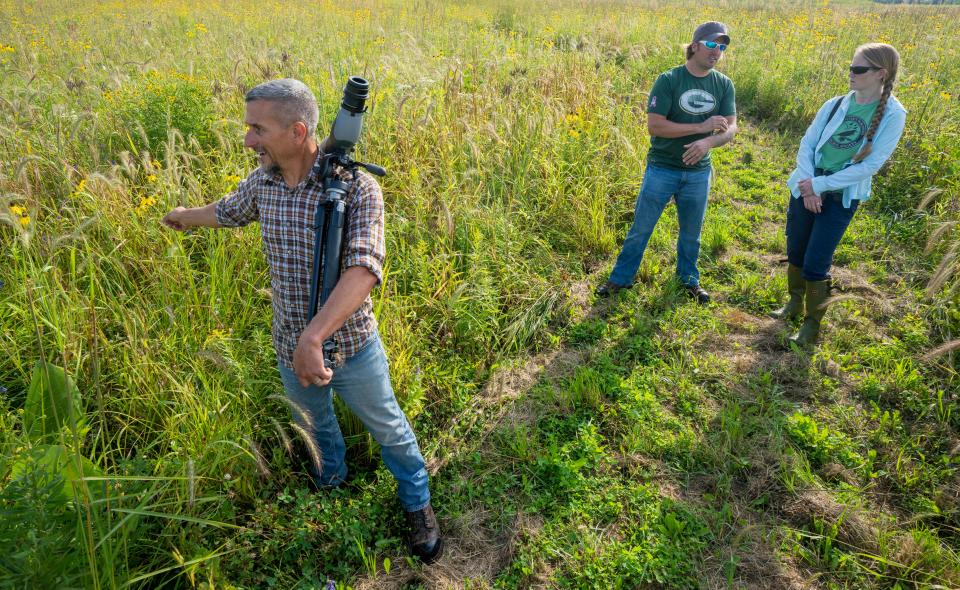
x=849, y=133
x=697, y=102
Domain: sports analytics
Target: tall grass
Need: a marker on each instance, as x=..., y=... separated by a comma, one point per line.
x=514, y=137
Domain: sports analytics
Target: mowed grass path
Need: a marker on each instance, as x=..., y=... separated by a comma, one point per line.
x=639, y=442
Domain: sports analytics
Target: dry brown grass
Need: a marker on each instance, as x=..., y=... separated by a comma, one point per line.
x=854, y=527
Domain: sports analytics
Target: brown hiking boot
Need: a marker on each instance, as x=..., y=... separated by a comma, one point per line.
x=424, y=539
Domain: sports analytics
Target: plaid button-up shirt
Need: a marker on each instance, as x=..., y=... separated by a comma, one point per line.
x=286, y=216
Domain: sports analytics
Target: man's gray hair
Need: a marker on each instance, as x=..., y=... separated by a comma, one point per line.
x=294, y=99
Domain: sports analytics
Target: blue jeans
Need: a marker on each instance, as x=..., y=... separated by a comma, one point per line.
x=690, y=187
x=812, y=238
x=363, y=383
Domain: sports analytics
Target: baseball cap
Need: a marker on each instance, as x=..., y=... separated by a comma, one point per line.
x=711, y=31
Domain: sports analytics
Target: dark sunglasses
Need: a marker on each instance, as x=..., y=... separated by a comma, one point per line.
x=714, y=45
x=861, y=69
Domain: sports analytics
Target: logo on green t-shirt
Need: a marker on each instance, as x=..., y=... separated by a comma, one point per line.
x=838, y=151
x=849, y=133
x=697, y=101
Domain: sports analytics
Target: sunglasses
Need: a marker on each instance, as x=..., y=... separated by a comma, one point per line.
x=714, y=45
x=861, y=69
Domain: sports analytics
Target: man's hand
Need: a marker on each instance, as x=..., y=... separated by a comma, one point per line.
x=174, y=219
x=714, y=123
x=183, y=218
x=696, y=151
x=308, y=361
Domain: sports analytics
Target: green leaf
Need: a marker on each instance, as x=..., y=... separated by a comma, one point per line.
x=56, y=460
x=53, y=401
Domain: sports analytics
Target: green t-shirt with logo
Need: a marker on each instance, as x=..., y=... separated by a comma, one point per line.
x=682, y=97
x=845, y=141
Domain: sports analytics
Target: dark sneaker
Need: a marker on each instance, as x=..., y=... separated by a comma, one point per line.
x=425, y=541
x=609, y=288
x=697, y=293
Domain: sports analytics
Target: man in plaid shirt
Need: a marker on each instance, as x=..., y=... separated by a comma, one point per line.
x=282, y=195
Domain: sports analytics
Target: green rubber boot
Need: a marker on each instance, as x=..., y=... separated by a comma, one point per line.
x=817, y=294
x=797, y=287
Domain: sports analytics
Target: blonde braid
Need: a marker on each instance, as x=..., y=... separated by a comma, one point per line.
x=885, y=57
x=875, y=122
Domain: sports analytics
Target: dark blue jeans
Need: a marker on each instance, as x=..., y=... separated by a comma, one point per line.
x=812, y=238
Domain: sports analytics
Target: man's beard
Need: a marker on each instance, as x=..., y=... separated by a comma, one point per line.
x=272, y=168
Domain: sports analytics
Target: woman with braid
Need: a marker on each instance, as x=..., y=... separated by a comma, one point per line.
x=849, y=140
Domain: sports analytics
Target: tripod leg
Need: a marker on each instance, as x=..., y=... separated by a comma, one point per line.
x=333, y=244
x=319, y=244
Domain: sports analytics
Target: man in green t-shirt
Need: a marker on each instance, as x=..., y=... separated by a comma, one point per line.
x=691, y=110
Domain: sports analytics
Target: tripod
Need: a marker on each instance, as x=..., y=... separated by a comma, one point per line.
x=329, y=222
x=331, y=216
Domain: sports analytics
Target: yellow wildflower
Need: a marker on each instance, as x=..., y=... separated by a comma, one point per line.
x=151, y=177
x=25, y=221
x=81, y=187
x=17, y=210
x=145, y=203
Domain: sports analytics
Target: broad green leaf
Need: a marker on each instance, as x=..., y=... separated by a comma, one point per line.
x=56, y=460
x=53, y=401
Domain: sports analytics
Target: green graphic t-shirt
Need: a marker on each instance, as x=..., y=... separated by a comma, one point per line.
x=845, y=141
x=682, y=97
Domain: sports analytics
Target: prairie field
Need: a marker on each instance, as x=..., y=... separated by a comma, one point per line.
x=640, y=441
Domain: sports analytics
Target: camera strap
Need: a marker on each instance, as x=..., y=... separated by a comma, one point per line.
x=833, y=111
